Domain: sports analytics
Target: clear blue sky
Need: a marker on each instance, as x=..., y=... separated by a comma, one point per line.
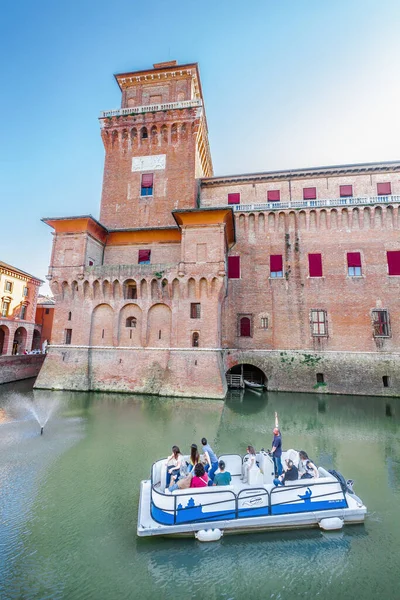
x=287, y=83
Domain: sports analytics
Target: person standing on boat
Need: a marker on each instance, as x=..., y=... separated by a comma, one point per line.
x=211, y=459
x=173, y=463
x=276, y=450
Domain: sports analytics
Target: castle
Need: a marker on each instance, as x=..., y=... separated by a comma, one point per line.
x=189, y=281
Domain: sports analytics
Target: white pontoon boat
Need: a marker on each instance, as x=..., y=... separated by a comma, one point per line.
x=243, y=507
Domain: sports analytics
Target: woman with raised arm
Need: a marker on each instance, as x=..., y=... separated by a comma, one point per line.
x=276, y=449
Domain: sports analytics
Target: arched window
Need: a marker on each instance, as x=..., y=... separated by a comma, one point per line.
x=143, y=133
x=131, y=322
x=195, y=339
x=245, y=327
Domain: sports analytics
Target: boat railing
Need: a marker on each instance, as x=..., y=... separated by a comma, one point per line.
x=239, y=511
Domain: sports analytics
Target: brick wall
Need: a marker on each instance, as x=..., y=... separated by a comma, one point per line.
x=14, y=368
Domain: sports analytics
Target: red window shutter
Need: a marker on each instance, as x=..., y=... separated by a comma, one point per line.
x=346, y=191
x=275, y=263
x=384, y=189
x=234, y=267
x=245, y=327
x=233, y=198
x=315, y=265
x=144, y=255
x=274, y=196
x=353, y=259
x=393, y=259
x=147, y=180
x=309, y=193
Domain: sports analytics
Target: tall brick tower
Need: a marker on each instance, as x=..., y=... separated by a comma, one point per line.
x=156, y=147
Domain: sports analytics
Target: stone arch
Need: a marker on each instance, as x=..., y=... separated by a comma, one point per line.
x=302, y=219
x=144, y=133
x=389, y=217
x=252, y=222
x=55, y=288
x=86, y=289
x=191, y=287
x=355, y=218
x=164, y=134
x=378, y=217
x=367, y=217
x=96, y=289
x=154, y=289
x=154, y=135
x=281, y=222
x=101, y=329
x=203, y=287
x=195, y=339
x=323, y=220
x=36, y=340
x=248, y=372
x=19, y=343
x=4, y=338
x=74, y=289
x=174, y=133
x=261, y=223
x=125, y=137
x=165, y=289
x=345, y=218
x=333, y=219
x=143, y=288
x=116, y=290
x=106, y=288
x=159, y=320
x=175, y=289
x=184, y=131
x=292, y=220
x=271, y=221
x=242, y=222
x=64, y=290
x=133, y=136
x=114, y=138
x=313, y=220
x=130, y=289
x=130, y=325
x=214, y=286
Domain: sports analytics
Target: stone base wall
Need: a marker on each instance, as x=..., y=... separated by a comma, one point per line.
x=359, y=373
x=14, y=368
x=165, y=372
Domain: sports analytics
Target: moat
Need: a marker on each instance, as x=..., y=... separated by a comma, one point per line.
x=69, y=498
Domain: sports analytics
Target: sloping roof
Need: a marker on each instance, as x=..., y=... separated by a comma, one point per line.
x=45, y=300
x=8, y=267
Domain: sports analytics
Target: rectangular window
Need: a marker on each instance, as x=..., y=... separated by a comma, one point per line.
x=346, y=191
x=234, y=267
x=276, y=265
x=47, y=311
x=393, y=260
x=195, y=310
x=264, y=322
x=245, y=326
x=319, y=325
x=25, y=292
x=233, y=198
x=144, y=257
x=22, y=312
x=273, y=196
x=315, y=265
x=147, y=184
x=8, y=286
x=380, y=323
x=68, y=336
x=4, y=308
x=354, y=264
x=309, y=193
x=384, y=189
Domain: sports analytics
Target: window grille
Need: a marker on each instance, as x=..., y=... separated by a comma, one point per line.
x=319, y=324
x=195, y=310
x=380, y=323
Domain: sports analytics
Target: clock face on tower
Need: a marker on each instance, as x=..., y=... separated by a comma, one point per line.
x=149, y=163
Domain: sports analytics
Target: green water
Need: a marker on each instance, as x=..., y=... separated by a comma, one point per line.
x=69, y=498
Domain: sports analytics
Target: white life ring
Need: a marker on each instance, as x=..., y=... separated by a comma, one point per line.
x=208, y=535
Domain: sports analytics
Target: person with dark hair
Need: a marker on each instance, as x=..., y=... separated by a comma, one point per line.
x=194, y=457
x=248, y=462
x=276, y=450
x=307, y=469
x=223, y=477
x=291, y=473
x=200, y=477
x=211, y=458
x=173, y=463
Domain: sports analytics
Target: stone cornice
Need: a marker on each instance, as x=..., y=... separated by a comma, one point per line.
x=313, y=172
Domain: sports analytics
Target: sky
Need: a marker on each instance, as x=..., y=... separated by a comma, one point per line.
x=286, y=84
